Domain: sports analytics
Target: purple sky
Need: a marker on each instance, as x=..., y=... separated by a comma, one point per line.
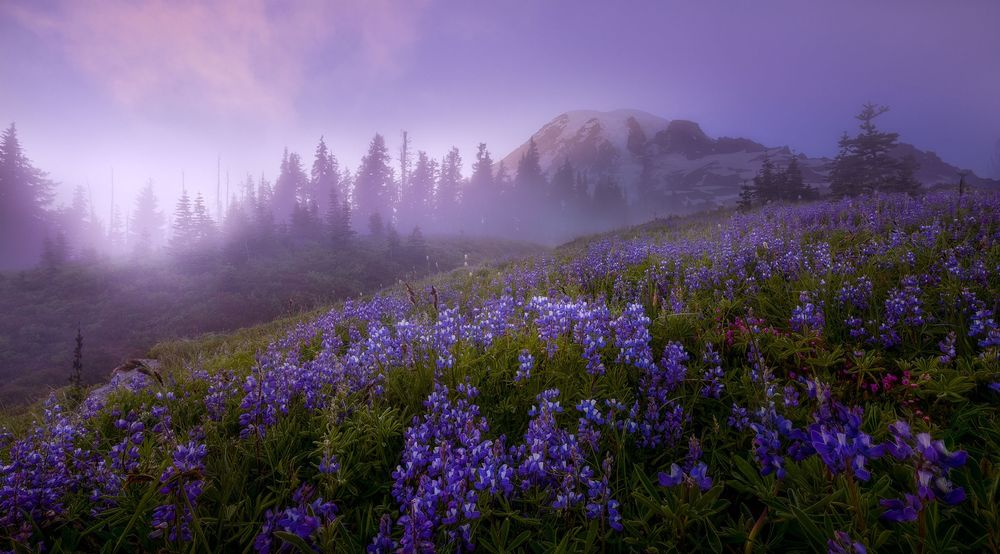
x=154, y=89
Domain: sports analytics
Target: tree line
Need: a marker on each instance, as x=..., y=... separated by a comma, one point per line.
x=864, y=165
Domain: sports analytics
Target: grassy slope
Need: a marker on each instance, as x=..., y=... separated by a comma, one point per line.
x=124, y=309
x=799, y=512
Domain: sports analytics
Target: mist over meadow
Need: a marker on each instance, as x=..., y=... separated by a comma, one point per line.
x=511, y=277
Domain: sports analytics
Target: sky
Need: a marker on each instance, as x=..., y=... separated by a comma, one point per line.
x=171, y=90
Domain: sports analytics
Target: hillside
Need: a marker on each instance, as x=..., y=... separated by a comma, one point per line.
x=123, y=308
x=680, y=164
x=798, y=378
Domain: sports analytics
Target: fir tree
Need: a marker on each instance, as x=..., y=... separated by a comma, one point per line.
x=482, y=170
x=418, y=196
x=203, y=227
x=564, y=185
x=146, y=223
x=374, y=181
x=290, y=188
x=25, y=195
x=416, y=247
x=375, y=225
x=529, y=170
x=324, y=178
x=767, y=184
x=864, y=163
x=446, y=197
x=183, y=234
x=793, y=186
x=76, y=377
x=746, y=197
x=394, y=245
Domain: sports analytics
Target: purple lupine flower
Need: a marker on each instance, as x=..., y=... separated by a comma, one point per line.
x=632, y=337
x=304, y=520
x=712, y=377
x=901, y=510
x=857, y=294
x=552, y=460
x=983, y=326
x=739, y=418
x=383, y=543
x=839, y=441
x=842, y=543
x=694, y=472
x=525, y=364
x=807, y=316
x=947, y=347
x=182, y=485
x=791, y=396
x=591, y=331
x=932, y=463
x=329, y=464
x=447, y=467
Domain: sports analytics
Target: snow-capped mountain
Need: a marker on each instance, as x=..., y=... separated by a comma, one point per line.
x=680, y=161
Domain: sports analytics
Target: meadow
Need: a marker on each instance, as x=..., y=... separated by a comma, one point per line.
x=810, y=377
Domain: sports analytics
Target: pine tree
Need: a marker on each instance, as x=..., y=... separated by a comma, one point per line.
x=746, y=197
x=766, y=184
x=375, y=224
x=182, y=237
x=482, y=170
x=202, y=224
x=25, y=194
x=340, y=228
x=564, y=185
x=793, y=185
x=418, y=196
x=54, y=254
x=529, y=170
x=393, y=244
x=416, y=247
x=76, y=377
x=864, y=163
x=446, y=198
x=146, y=223
x=374, y=181
x=609, y=200
x=324, y=179
x=290, y=188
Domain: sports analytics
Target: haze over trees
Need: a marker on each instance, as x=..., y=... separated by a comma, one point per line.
x=318, y=201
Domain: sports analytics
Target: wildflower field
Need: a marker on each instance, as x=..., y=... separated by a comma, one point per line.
x=818, y=377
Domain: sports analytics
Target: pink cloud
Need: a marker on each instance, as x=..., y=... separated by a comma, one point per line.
x=228, y=57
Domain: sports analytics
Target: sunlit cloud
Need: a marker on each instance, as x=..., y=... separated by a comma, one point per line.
x=250, y=57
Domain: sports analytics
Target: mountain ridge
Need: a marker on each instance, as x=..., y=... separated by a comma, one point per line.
x=681, y=163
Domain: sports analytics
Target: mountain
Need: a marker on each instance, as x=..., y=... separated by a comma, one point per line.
x=676, y=161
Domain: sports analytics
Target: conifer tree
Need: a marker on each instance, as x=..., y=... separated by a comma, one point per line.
x=418, y=195
x=202, y=224
x=146, y=223
x=865, y=164
x=376, y=227
x=76, y=377
x=482, y=170
x=767, y=184
x=746, y=197
x=564, y=185
x=446, y=198
x=25, y=195
x=374, y=181
x=416, y=247
x=183, y=233
x=393, y=243
x=529, y=170
x=324, y=179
